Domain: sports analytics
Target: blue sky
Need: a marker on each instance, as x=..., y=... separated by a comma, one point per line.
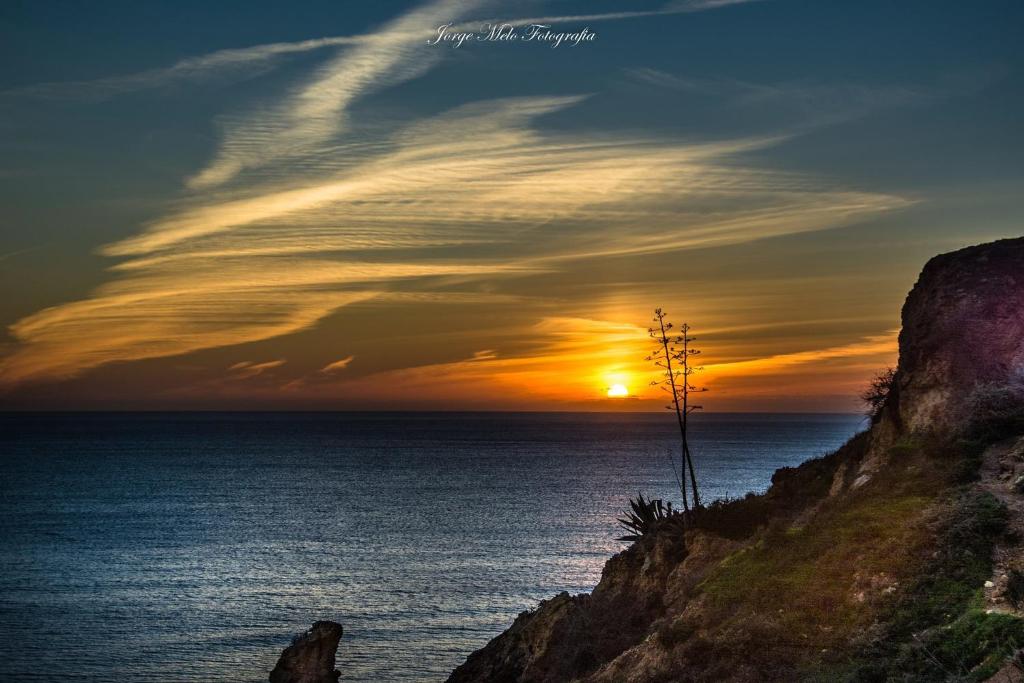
x=210, y=204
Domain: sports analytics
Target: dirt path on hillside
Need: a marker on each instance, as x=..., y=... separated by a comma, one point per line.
x=1002, y=466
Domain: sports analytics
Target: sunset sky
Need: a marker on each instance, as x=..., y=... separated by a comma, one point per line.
x=263, y=205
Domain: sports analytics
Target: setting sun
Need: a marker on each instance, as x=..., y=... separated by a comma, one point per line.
x=618, y=391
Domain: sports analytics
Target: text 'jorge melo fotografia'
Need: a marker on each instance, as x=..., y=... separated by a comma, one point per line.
x=507, y=33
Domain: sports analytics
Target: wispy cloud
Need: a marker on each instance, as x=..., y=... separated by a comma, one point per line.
x=475, y=194
x=584, y=354
x=227, y=271
x=807, y=104
x=337, y=365
x=247, y=368
x=701, y=5
x=574, y=360
x=870, y=346
x=230, y=63
x=317, y=110
x=244, y=62
x=19, y=252
x=679, y=7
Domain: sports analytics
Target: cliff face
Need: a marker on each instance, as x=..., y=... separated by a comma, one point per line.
x=887, y=560
x=567, y=635
x=963, y=325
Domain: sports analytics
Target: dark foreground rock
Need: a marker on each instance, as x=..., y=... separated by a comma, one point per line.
x=310, y=657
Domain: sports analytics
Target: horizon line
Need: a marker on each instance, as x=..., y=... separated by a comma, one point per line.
x=393, y=411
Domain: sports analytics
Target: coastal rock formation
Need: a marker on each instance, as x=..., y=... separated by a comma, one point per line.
x=310, y=657
x=568, y=635
x=963, y=326
x=864, y=565
x=961, y=348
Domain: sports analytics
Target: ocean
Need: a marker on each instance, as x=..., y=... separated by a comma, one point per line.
x=172, y=547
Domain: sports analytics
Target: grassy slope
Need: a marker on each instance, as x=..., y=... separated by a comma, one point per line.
x=878, y=583
x=882, y=583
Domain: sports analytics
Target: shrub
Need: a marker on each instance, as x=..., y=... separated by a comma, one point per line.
x=977, y=644
x=1015, y=587
x=996, y=411
x=734, y=518
x=878, y=393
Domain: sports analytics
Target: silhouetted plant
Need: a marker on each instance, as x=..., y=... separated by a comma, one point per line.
x=644, y=514
x=672, y=353
x=878, y=392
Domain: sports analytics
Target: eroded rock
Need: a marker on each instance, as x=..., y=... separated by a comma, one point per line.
x=962, y=326
x=310, y=657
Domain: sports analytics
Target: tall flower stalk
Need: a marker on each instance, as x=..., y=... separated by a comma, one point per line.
x=673, y=353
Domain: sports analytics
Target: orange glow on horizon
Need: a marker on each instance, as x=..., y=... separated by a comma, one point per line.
x=593, y=364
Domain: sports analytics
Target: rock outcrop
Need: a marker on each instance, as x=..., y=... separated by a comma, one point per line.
x=310, y=657
x=863, y=565
x=569, y=635
x=963, y=326
x=961, y=345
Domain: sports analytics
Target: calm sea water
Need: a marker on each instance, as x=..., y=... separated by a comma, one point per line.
x=191, y=547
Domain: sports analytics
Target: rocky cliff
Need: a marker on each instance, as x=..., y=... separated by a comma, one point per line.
x=963, y=326
x=310, y=657
x=896, y=558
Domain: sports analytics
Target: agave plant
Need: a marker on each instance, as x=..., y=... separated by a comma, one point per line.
x=644, y=514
